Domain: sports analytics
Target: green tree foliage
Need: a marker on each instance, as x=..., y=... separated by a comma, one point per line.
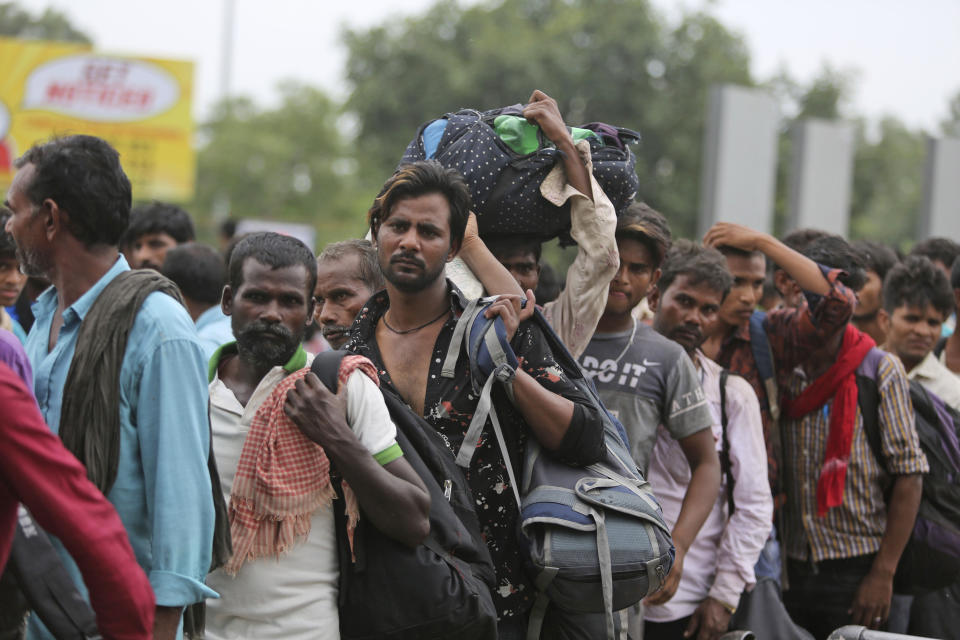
x=286, y=163
x=609, y=60
x=49, y=25
x=888, y=183
x=951, y=125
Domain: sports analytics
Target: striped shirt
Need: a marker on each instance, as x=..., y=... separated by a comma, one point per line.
x=856, y=527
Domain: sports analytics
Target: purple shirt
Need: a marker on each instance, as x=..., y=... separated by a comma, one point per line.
x=13, y=355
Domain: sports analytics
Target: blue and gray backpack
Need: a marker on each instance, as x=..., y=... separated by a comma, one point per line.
x=596, y=539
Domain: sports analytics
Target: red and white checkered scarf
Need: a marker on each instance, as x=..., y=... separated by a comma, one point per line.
x=283, y=477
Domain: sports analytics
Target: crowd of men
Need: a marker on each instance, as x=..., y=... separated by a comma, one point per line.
x=143, y=417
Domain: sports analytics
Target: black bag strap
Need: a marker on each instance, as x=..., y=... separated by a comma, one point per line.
x=725, y=465
x=868, y=398
x=47, y=586
x=326, y=366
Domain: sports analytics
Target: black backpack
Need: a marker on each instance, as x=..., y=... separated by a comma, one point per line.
x=931, y=559
x=505, y=186
x=439, y=590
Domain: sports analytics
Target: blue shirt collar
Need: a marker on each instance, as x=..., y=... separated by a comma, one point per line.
x=211, y=315
x=47, y=301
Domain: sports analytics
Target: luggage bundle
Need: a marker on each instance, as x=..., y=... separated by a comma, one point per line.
x=504, y=159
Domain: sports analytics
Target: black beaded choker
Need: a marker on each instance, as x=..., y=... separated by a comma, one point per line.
x=406, y=331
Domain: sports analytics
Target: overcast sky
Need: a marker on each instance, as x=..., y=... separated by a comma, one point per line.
x=907, y=55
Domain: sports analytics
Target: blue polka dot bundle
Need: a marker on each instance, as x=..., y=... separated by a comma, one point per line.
x=505, y=182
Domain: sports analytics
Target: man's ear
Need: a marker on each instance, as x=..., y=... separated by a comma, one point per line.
x=54, y=218
x=311, y=310
x=883, y=319
x=226, y=300
x=653, y=280
x=782, y=282
x=454, y=248
x=653, y=298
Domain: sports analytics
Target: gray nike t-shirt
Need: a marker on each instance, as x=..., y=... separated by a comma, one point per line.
x=653, y=383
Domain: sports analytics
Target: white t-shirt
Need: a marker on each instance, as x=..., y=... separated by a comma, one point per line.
x=294, y=596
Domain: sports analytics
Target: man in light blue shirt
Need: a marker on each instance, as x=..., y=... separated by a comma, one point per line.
x=200, y=273
x=71, y=203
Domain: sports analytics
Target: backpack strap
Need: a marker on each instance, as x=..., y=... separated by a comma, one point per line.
x=868, y=399
x=725, y=465
x=763, y=356
x=326, y=366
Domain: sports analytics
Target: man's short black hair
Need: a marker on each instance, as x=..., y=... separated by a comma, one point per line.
x=274, y=250
x=955, y=274
x=8, y=248
x=836, y=253
x=877, y=257
x=515, y=245
x=419, y=179
x=82, y=174
x=800, y=239
x=701, y=265
x=943, y=250
x=647, y=226
x=917, y=282
x=161, y=217
x=198, y=270
x=366, y=253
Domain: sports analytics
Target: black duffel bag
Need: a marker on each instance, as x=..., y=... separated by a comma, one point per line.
x=505, y=186
x=441, y=589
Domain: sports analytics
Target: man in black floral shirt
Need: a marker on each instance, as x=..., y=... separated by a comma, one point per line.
x=417, y=223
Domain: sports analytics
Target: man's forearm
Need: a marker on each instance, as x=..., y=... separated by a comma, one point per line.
x=547, y=413
x=494, y=277
x=799, y=267
x=901, y=515
x=575, y=169
x=397, y=504
x=703, y=488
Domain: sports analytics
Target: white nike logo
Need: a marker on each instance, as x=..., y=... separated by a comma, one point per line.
x=647, y=363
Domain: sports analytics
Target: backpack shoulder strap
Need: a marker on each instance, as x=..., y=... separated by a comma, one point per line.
x=868, y=398
x=763, y=356
x=725, y=465
x=326, y=366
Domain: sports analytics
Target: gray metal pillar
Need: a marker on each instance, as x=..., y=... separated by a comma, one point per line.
x=821, y=176
x=739, y=158
x=940, y=214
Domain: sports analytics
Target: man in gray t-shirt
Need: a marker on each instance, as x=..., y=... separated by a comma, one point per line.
x=653, y=382
x=648, y=380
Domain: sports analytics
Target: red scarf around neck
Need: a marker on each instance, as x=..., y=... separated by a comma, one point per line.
x=840, y=383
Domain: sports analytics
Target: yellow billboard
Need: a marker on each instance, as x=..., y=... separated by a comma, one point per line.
x=140, y=105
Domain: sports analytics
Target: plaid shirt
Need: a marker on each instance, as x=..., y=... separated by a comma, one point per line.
x=793, y=334
x=856, y=527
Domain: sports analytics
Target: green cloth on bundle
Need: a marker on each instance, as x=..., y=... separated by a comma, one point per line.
x=521, y=135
